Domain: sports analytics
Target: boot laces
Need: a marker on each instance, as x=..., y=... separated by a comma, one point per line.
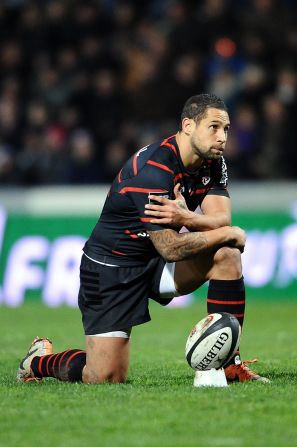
x=244, y=367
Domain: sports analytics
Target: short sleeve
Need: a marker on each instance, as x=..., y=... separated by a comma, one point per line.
x=149, y=181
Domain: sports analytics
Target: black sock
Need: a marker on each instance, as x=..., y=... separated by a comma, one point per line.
x=65, y=366
x=227, y=296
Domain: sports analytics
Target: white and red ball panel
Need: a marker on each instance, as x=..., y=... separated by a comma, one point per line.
x=213, y=341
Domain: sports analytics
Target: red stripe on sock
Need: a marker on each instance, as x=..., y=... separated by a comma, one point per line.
x=54, y=362
x=71, y=357
x=63, y=355
x=47, y=363
x=238, y=315
x=40, y=365
x=225, y=302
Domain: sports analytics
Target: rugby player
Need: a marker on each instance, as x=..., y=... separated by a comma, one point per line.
x=136, y=251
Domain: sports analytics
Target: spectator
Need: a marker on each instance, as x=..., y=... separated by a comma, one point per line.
x=79, y=81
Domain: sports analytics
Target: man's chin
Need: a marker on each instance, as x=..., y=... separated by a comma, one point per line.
x=213, y=156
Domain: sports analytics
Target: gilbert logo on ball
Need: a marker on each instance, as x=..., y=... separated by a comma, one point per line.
x=213, y=341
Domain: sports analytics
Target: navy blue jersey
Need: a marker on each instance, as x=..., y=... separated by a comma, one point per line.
x=120, y=236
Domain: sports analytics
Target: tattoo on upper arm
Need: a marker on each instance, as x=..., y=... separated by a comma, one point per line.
x=173, y=246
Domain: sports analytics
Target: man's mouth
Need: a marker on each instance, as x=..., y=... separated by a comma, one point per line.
x=218, y=150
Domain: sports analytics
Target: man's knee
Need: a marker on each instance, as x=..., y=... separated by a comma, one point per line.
x=107, y=376
x=229, y=259
x=107, y=359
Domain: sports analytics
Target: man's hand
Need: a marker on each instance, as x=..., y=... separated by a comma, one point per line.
x=174, y=213
x=237, y=238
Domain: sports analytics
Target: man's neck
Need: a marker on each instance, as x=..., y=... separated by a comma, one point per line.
x=190, y=160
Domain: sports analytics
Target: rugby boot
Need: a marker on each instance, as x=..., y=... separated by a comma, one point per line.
x=39, y=347
x=241, y=373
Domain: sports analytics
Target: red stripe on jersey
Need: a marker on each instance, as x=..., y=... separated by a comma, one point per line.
x=180, y=175
x=225, y=302
x=159, y=165
x=120, y=176
x=146, y=219
x=133, y=236
x=118, y=252
x=135, y=164
x=141, y=190
x=198, y=191
x=171, y=146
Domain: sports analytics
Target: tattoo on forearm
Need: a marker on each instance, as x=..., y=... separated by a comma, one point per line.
x=177, y=247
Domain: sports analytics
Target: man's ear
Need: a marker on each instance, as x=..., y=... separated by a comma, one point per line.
x=188, y=126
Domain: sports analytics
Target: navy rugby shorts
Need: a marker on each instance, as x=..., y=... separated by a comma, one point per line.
x=117, y=298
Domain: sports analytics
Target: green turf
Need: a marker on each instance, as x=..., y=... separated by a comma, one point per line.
x=158, y=406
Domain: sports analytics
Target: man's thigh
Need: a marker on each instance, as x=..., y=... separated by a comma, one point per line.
x=192, y=273
x=179, y=278
x=107, y=359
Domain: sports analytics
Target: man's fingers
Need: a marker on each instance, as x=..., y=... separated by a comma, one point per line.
x=150, y=206
x=156, y=198
x=177, y=192
x=152, y=212
x=160, y=221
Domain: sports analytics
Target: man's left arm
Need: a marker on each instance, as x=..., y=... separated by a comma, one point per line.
x=216, y=212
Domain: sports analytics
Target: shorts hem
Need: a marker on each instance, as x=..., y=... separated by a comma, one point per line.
x=119, y=327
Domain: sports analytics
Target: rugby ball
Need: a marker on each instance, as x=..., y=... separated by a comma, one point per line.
x=213, y=341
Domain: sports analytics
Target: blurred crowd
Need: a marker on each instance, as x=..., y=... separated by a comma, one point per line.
x=85, y=83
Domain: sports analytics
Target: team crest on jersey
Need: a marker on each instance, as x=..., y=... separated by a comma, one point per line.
x=205, y=180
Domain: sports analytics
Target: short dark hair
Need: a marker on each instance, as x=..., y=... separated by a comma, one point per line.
x=196, y=106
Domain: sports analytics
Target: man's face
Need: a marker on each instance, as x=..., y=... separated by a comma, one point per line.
x=209, y=136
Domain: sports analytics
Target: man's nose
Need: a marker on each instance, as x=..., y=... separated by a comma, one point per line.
x=222, y=136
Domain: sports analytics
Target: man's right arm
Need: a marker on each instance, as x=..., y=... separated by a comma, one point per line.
x=174, y=246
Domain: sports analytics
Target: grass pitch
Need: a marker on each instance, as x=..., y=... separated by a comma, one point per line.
x=158, y=407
